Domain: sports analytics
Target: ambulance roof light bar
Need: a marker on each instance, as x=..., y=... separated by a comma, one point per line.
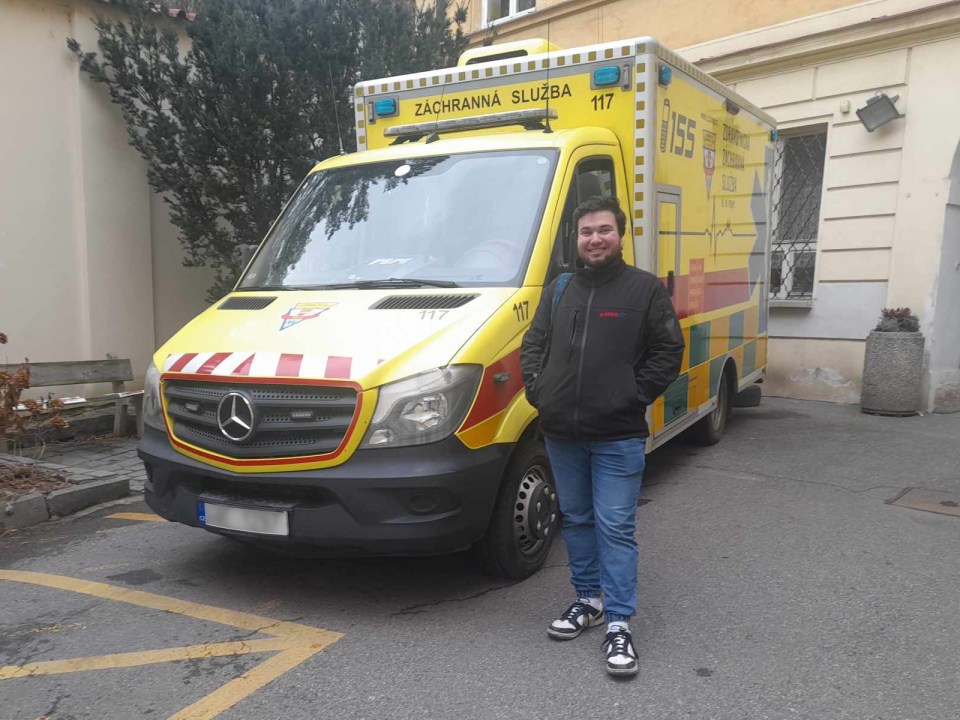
x=530, y=119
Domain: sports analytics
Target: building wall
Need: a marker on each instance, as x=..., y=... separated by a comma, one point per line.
x=813, y=369
x=944, y=348
x=857, y=220
x=89, y=263
x=887, y=235
x=179, y=292
x=43, y=283
x=676, y=24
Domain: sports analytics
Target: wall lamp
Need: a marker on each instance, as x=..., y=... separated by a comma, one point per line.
x=878, y=111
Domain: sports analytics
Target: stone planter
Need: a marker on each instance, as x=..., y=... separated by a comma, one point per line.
x=892, y=369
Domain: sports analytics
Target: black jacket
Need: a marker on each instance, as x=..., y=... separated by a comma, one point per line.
x=614, y=348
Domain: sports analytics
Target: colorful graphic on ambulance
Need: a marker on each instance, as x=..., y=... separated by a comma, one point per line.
x=709, y=158
x=303, y=311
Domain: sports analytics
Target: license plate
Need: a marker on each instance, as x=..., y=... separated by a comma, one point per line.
x=227, y=517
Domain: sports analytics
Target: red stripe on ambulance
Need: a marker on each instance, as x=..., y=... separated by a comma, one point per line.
x=338, y=367
x=267, y=365
x=289, y=365
x=181, y=363
x=212, y=363
x=493, y=396
x=244, y=367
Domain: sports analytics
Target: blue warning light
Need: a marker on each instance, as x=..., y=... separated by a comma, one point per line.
x=385, y=108
x=606, y=76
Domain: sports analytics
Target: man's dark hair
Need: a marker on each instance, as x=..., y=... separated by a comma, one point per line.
x=599, y=203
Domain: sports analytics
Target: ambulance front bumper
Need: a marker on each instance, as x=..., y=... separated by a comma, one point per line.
x=429, y=499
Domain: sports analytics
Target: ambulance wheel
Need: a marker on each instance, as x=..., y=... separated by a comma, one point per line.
x=709, y=430
x=526, y=516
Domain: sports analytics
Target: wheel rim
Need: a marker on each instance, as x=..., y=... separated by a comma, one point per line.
x=719, y=417
x=535, y=510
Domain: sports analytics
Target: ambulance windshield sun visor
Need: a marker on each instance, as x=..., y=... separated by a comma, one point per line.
x=468, y=219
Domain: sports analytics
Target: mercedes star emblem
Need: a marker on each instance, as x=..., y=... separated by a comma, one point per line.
x=236, y=416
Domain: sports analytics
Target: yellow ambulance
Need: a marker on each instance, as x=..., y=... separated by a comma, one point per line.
x=360, y=390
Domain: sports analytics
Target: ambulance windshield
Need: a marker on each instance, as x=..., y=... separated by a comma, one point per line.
x=449, y=220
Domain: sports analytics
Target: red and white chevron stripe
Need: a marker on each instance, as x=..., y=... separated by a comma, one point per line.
x=269, y=364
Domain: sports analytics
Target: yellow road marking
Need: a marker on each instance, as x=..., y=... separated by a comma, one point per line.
x=298, y=634
x=144, y=657
x=239, y=688
x=295, y=642
x=144, y=517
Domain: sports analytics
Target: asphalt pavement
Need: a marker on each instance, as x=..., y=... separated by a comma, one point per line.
x=776, y=581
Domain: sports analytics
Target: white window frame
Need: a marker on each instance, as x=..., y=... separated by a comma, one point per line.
x=798, y=246
x=512, y=14
x=790, y=250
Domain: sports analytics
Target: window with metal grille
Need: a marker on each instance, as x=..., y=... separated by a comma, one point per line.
x=496, y=10
x=797, y=188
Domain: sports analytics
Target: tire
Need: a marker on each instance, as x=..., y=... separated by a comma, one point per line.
x=526, y=516
x=709, y=430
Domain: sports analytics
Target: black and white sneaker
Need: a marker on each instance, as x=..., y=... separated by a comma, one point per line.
x=574, y=621
x=621, y=657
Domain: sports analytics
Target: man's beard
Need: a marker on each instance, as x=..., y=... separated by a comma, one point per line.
x=611, y=258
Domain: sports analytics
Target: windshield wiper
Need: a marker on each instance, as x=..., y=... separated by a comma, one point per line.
x=275, y=288
x=394, y=282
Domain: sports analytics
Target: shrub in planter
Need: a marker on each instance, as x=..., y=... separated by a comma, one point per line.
x=23, y=423
x=892, y=365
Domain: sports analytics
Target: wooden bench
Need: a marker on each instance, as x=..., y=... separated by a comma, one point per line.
x=90, y=372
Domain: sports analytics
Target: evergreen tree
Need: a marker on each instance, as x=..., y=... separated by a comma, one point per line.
x=231, y=127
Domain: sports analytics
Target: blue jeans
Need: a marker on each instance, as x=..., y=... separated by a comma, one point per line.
x=598, y=485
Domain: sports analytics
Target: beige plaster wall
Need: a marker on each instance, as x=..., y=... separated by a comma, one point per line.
x=43, y=280
x=881, y=236
x=881, y=240
x=179, y=293
x=676, y=24
x=814, y=369
x=863, y=171
x=931, y=137
x=114, y=222
x=89, y=263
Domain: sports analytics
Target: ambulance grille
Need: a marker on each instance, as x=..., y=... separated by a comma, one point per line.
x=257, y=302
x=422, y=302
x=292, y=420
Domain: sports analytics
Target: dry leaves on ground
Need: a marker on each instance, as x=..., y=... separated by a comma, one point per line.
x=17, y=480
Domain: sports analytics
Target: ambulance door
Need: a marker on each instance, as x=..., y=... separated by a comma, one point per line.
x=672, y=406
x=592, y=172
x=668, y=238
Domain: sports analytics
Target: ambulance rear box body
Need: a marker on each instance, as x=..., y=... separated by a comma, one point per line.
x=360, y=390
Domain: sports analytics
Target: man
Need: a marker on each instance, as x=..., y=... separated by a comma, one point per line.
x=593, y=359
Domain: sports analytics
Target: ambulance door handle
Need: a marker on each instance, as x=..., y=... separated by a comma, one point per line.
x=671, y=282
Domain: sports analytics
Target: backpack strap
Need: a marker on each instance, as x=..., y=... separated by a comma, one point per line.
x=562, y=281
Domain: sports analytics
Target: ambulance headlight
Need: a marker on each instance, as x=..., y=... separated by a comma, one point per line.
x=424, y=408
x=152, y=407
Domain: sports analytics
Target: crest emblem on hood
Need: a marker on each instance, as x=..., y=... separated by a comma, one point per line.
x=303, y=311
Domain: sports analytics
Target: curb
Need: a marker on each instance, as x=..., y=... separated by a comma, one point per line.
x=88, y=487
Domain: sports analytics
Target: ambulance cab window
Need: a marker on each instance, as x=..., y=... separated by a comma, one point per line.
x=594, y=176
x=466, y=219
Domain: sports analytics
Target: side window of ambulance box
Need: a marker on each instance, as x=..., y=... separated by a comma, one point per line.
x=593, y=176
